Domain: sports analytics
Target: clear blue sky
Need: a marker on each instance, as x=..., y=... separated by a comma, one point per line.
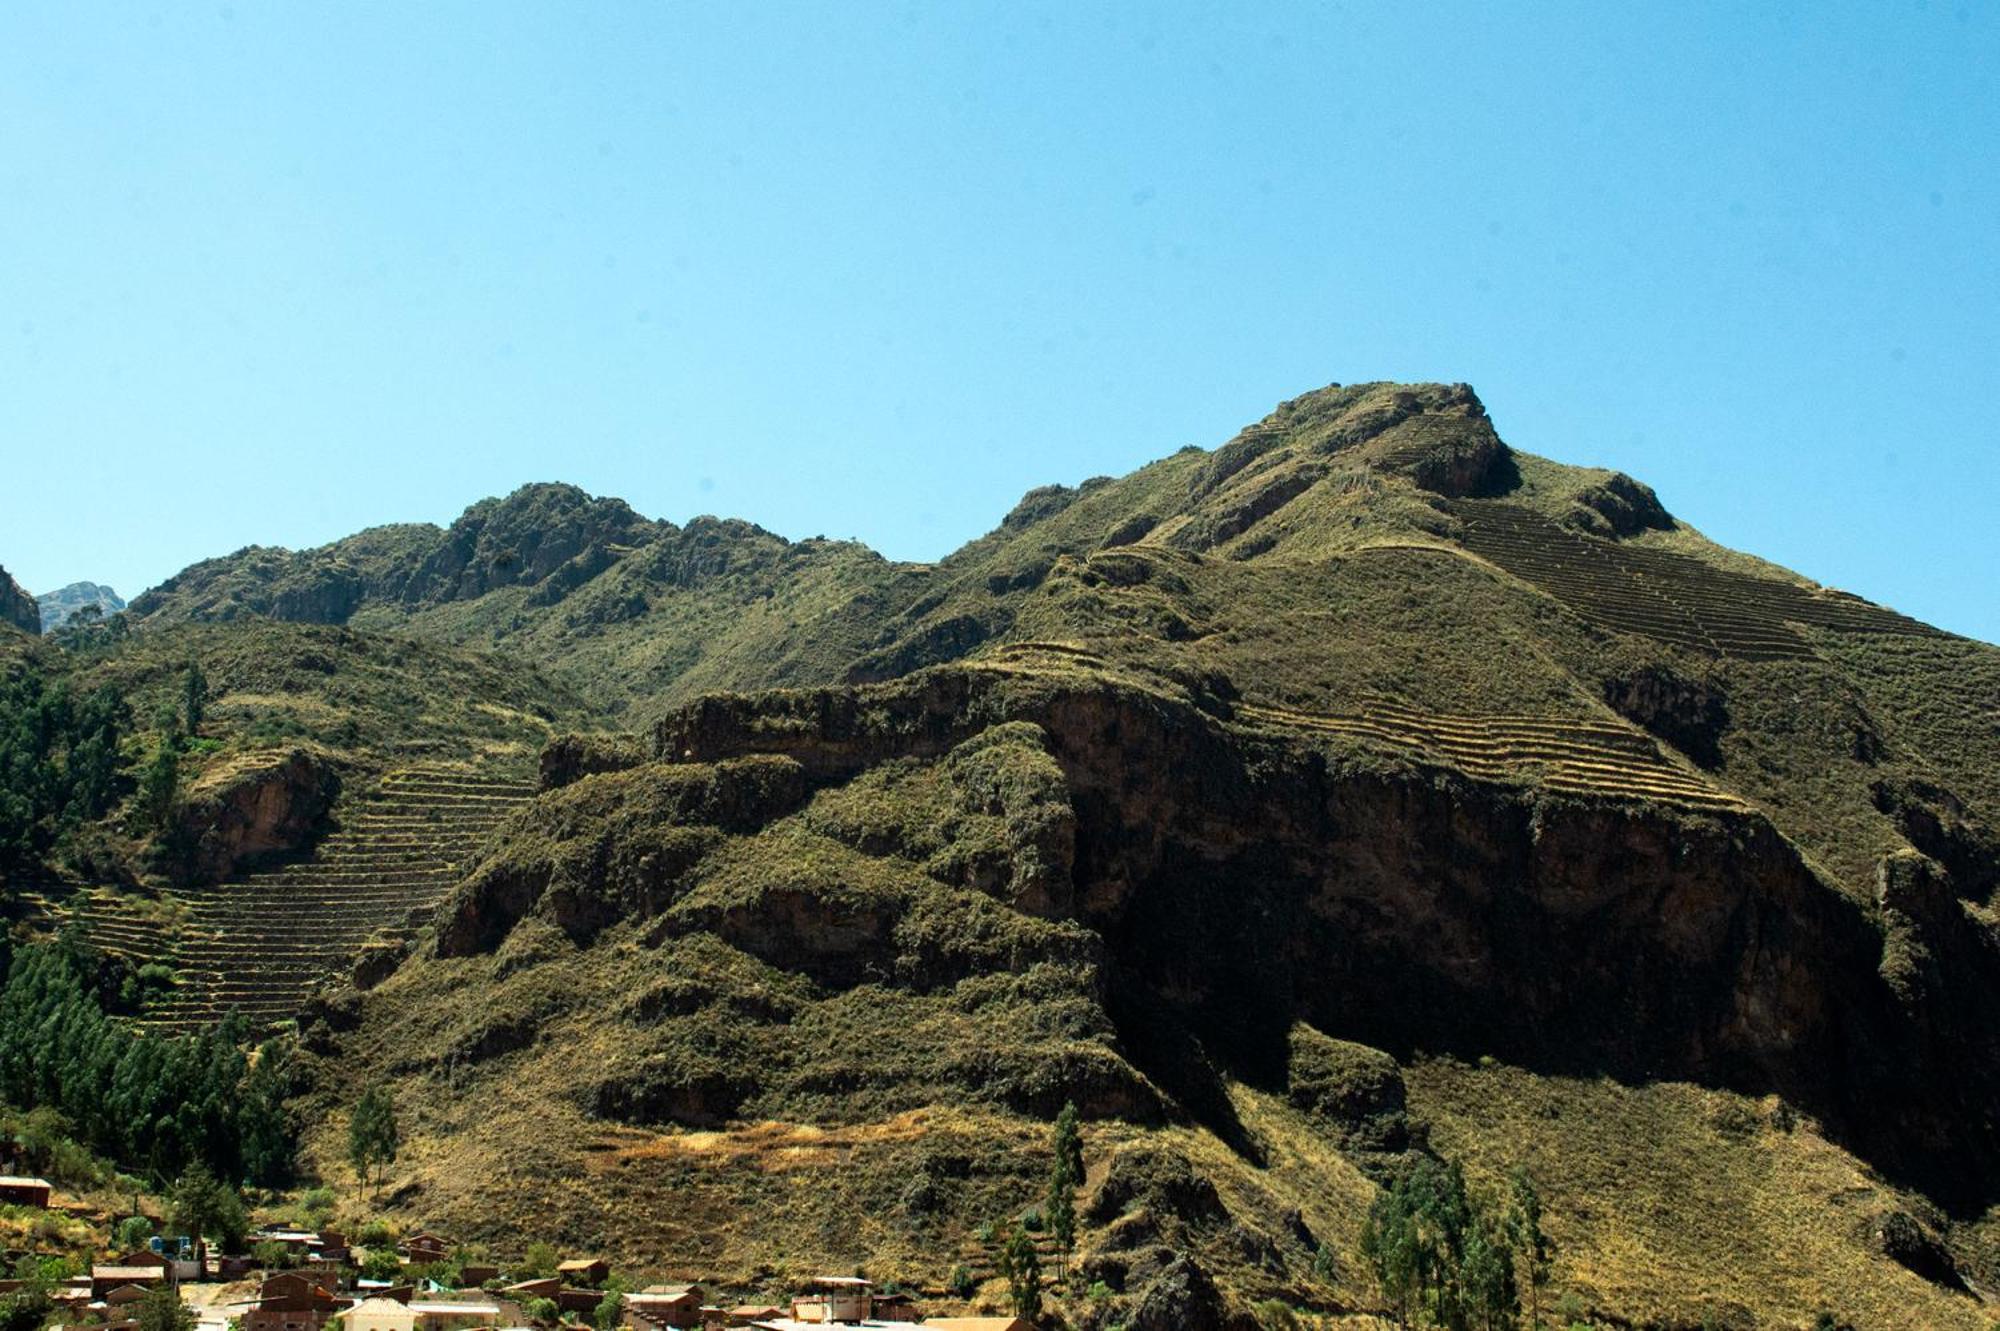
x=273, y=273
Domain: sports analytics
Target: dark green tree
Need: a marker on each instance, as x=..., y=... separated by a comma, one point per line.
x=1021, y=1267
x=159, y=788
x=611, y=1308
x=28, y=1307
x=162, y=1310
x=1535, y=1250
x=1437, y=1254
x=1488, y=1297
x=1064, y=1178
x=372, y=1137
x=1069, y=1143
x=194, y=698
x=206, y=1208
x=59, y=760
x=151, y=1103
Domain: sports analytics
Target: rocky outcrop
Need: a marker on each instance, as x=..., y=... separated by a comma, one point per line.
x=1355, y=1092
x=1618, y=506
x=525, y=538
x=17, y=607
x=569, y=758
x=259, y=806
x=612, y=845
x=1690, y=713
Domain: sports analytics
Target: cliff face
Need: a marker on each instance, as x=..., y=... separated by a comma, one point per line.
x=17, y=607
x=1241, y=883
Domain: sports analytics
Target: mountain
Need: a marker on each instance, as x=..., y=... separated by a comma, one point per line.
x=1362, y=790
x=58, y=606
x=17, y=607
x=634, y=613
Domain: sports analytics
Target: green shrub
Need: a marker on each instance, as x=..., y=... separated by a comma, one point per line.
x=1275, y=1315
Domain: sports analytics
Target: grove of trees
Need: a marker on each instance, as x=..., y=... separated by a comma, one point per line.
x=59, y=761
x=1446, y=1258
x=154, y=1104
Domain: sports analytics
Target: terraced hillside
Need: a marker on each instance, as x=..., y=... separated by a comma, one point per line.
x=261, y=944
x=1606, y=759
x=1572, y=758
x=1665, y=596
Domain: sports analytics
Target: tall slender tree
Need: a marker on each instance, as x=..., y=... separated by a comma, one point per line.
x=194, y=698
x=372, y=1137
x=1021, y=1267
x=1535, y=1249
x=1064, y=1177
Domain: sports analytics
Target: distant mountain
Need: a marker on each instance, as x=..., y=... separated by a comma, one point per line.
x=17, y=607
x=58, y=606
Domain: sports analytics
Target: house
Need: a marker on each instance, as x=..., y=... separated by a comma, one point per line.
x=546, y=1287
x=425, y=1248
x=144, y=1269
x=295, y=1289
x=743, y=1314
x=897, y=1307
x=572, y=1300
x=583, y=1271
x=663, y=1305
x=475, y=1273
x=374, y=1314
x=125, y=1294
x=835, y=1299
x=18, y=1191
x=453, y=1316
x=294, y=1301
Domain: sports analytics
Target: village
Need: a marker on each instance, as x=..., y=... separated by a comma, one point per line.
x=315, y=1280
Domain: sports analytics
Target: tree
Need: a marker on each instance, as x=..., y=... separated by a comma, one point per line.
x=611, y=1308
x=1536, y=1250
x=133, y=1231
x=132, y=1185
x=162, y=1310
x=1486, y=1278
x=159, y=788
x=205, y=1208
x=383, y=1264
x=538, y=1262
x=1064, y=1177
x=194, y=698
x=1021, y=1268
x=372, y=1138
x=1069, y=1143
x=542, y=1312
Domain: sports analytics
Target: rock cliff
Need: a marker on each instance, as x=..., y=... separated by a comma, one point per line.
x=17, y=607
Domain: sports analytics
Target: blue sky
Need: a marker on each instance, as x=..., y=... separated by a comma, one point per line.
x=273, y=273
